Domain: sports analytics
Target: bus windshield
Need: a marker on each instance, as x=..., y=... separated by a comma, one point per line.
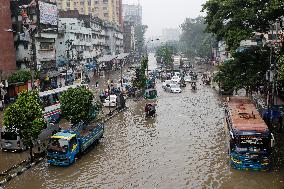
x=252, y=144
x=58, y=145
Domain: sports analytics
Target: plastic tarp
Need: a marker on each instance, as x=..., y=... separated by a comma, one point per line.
x=106, y=58
x=122, y=56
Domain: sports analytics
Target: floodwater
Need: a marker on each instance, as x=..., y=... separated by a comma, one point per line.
x=182, y=147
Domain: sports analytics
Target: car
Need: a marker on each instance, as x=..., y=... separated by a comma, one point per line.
x=110, y=101
x=165, y=83
x=173, y=88
x=176, y=79
x=187, y=78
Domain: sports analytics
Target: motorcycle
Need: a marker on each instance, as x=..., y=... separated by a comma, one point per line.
x=150, y=110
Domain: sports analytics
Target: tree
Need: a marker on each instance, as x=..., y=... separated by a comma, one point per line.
x=139, y=33
x=21, y=76
x=141, y=81
x=77, y=105
x=196, y=41
x=237, y=20
x=165, y=53
x=25, y=117
x=247, y=69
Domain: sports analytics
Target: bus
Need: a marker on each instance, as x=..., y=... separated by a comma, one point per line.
x=250, y=142
x=51, y=104
x=11, y=141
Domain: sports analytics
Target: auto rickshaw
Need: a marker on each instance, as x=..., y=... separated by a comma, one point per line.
x=150, y=94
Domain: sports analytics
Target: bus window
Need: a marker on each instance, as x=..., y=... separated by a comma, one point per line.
x=46, y=101
x=55, y=99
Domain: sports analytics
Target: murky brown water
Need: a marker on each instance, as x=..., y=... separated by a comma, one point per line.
x=183, y=147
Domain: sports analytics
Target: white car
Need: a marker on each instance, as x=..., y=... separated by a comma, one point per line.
x=110, y=101
x=187, y=78
x=173, y=88
x=176, y=79
x=165, y=83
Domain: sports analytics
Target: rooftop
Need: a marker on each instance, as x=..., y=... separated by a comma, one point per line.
x=245, y=116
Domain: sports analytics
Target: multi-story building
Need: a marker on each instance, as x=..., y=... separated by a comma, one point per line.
x=7, y=50
x=84, y=38
x=132, y=13
x=132, y=17
x=87, y=35
x=107, y=10
x=35, y=34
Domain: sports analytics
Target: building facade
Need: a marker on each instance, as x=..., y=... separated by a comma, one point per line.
x=107, y=10
x=7, y=50
x=132, y=17
x=35, y=27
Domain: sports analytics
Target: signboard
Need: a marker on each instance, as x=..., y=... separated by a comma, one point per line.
x=251, y=140
x=48, y=13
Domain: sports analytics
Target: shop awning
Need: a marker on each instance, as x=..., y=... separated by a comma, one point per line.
x=106, y=58
x=122, y=56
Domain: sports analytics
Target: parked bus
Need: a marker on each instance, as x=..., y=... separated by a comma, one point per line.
x=50, y=99
x=250, y=141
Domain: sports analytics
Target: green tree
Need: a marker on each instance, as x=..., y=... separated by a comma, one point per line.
x=25, y=117
x=22, y=76
x=140, y=82
x=139, y=34
x=164, y=54
x=236, y=20
x=196, y=41
x=247, y=69
x=77, y=105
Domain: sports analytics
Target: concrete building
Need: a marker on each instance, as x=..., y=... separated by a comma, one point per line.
x=82, y=39
x=107, y=10
x=132, y=13
x=170, y=34
x=7, y=50
x=132, y=17
x=35, y=35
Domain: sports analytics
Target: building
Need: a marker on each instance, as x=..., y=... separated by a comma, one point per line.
x=7, y=50
x=107, y=10
x=170, y=34
x=132, y=13
x=35, y=34
x=82, y=39
x=132, y=17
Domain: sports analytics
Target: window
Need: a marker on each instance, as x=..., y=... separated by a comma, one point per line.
x=105, y=14
x=96, y=2
x=105, y=1
x=46, y=46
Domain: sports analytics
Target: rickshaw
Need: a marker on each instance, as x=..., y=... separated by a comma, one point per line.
x=150, y=94
x=150, y=110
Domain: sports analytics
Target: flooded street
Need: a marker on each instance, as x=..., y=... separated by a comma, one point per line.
x=184, y=146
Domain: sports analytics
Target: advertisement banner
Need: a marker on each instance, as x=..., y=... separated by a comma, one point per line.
x=48, y=13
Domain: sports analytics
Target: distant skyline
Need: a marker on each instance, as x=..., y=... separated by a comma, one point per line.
x=160, y=14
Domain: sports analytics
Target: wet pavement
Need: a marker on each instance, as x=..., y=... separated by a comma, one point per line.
x=184, y=146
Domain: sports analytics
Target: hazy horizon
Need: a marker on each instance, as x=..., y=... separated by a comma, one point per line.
x=160, y=14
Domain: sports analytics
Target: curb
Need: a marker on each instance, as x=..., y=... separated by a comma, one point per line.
x=25, y=168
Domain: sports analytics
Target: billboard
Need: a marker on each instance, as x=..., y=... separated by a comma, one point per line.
x=48, y=13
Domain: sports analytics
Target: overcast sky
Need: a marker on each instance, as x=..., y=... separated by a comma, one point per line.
x=159, y=14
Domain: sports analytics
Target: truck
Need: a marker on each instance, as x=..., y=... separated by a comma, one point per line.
x=66, y=145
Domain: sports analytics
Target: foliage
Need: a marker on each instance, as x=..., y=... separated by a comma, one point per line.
x=21, y=76
x=25, y=117
x=164, y=54
x=139, y=33
x=77, y=105
x=196, y=41
x=247, y=69
x=140, y=82
x=236, y=20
